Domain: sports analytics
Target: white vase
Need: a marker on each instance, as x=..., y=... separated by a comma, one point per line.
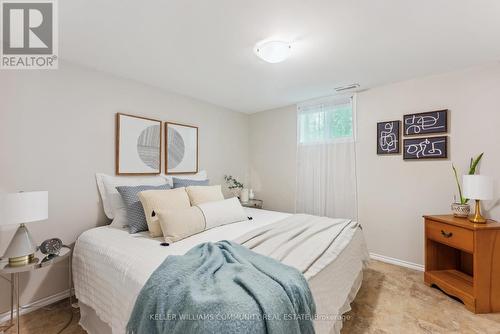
x=244, y=195
x=251, y=195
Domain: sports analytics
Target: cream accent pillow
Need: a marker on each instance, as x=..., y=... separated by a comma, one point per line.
x=180, y=224
x=203, y=194
x=161, y=200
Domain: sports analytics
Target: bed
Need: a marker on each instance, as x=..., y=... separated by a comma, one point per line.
x=110, y=266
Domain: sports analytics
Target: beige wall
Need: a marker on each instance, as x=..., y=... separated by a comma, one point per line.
x=57, y=131
x=272, y=164
x=393, y=194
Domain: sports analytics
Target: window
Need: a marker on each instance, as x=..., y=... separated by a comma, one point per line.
x=326, y=122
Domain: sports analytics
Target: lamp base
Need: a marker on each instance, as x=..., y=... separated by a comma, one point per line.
x=21, y=260
x=21, y=249
x=477, y=217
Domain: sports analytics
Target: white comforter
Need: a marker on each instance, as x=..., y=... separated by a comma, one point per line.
x=110, y=266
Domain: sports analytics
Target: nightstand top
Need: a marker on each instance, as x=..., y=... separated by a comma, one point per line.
x=253, y=203
x=40, y=261
x=464, y=222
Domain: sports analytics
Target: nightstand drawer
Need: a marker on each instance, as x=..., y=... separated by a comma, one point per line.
x=453, y=236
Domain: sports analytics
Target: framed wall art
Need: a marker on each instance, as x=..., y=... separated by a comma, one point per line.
x=426, y=123
x=425, y=148
x=138, y=145
x=181, y=148
x=389, y=137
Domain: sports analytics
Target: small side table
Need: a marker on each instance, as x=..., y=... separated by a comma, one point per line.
x=463, y=260
x=40, y=261
x=253, y=203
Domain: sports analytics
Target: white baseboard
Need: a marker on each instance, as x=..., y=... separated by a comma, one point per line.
x=397, y=262
x=36, y=305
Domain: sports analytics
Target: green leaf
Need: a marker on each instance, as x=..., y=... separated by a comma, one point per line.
x=472, y=170
x=462, y=199
x=474, y=164
x=232, y=183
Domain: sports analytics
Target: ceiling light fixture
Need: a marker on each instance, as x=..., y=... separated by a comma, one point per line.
x=273, y=51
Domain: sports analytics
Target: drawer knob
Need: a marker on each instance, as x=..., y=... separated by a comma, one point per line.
x=446, y=234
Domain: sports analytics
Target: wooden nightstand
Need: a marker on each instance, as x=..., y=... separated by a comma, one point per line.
x=463, y=260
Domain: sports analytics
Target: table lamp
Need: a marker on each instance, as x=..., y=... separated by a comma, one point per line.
x=478, y=187
x=21, y=208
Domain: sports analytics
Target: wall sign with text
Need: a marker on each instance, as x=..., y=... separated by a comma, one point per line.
x=29, y=35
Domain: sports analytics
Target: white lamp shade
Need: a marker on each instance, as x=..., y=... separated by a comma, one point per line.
x=25, y=207
x=478, y=187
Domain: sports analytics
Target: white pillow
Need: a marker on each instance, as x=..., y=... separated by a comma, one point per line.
x=179, y=223
x=222, y=212
x=112, y=202
x=120, y=219
x=200, y=176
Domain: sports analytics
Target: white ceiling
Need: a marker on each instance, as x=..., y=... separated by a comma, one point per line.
x=203, y=48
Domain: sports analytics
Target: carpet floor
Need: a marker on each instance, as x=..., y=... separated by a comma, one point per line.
x=391, y=300
x=394, y=299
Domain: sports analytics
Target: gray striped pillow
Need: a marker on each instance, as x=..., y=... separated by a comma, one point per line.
x=179, y=183
x=135, y=211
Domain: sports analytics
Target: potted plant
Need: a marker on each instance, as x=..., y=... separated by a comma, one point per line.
x=233, y=185
x=461, y=208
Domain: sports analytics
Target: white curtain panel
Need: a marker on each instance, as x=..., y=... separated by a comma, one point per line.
x=326, y=158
